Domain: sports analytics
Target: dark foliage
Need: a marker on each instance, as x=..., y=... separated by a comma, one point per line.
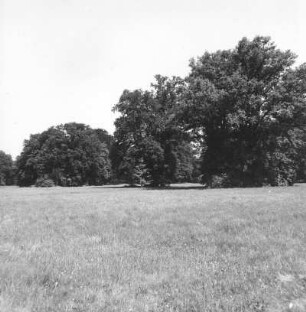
x=301, y=161
x=6, y=169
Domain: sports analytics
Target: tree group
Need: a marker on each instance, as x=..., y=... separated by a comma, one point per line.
x=244, y=108
x=237, y=119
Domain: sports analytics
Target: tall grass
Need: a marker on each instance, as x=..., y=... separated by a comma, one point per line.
x=126, y=249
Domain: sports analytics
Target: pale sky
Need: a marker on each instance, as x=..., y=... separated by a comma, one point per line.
x=70, y=60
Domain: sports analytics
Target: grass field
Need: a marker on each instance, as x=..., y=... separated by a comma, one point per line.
x=128, y=249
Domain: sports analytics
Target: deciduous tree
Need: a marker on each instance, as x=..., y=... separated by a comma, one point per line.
x=69, y=154
x=249, y=105
x=148, y=135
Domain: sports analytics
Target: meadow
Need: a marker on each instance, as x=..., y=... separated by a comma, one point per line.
x=130, y=249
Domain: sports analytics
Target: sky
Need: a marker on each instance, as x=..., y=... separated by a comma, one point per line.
x=70, y=60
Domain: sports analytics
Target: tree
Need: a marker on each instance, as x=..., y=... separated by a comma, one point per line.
x=71, y=154
x=248, y=107
x=6, y=169
x=149, y=142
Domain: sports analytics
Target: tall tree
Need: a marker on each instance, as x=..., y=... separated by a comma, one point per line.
x=148, y=137
x=69, y=154
x=248, y=104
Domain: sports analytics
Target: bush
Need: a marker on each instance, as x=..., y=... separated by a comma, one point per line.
x=218, y=181
x=44, y=182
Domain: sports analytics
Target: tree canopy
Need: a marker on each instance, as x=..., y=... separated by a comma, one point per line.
x=71, y=154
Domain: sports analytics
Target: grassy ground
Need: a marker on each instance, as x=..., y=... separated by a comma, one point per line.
x=126, y=249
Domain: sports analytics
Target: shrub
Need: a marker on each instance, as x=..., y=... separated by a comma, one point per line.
x=221, y=180
x=44, y=182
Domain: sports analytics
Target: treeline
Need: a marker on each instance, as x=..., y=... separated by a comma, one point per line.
x=237, y=119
